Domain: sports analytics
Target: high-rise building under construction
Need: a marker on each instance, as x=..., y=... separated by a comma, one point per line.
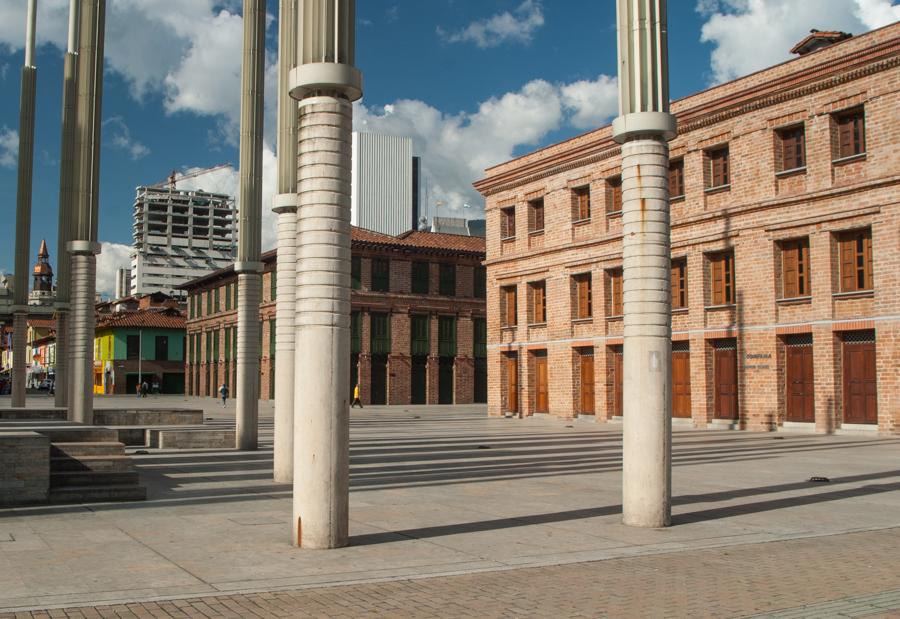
x=179, y=235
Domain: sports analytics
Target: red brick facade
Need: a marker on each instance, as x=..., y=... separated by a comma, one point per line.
x=791, y=311
x=446, y=363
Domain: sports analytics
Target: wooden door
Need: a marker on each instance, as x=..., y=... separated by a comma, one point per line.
x=512, y=384
x=445, y=380
x=541, y=400
x=725, y=367
x=681, y=384
x=419, y=379
x=618, y=373
x=587, y=383
x=481, y=385
x=860, y=389
x=378, y=386
x=799, y=383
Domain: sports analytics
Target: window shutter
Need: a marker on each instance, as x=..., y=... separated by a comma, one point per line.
x=859, y=135
x=848, y=264
x=867, y=259
x=790, y=285
x=717, y=266
x=803, y=281
x=504, y=223
x=615, y=280
x=845, y=136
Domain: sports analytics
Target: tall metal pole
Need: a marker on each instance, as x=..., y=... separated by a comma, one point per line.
x=285, y=205
x=643, y=127
x=325, y=82
x=66, y=207
x=248, y=267
x=84, y=247
x=23, y=210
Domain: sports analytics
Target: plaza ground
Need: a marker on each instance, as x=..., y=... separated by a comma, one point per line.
x=455, y=514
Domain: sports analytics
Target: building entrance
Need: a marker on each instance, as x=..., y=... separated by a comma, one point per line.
x=860, y=384
x=681, y=380
x=798, y=378
x=419, y=380
x=379, y=380
x=445, y=380
x=725, y=378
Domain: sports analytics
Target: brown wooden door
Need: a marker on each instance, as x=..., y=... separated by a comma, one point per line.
x=618, y=371
x=726, y=396
x=512, y=384
x=587, y=384
x=541, y=404
x=860, y=394
x=681, y=384
x=799, y=384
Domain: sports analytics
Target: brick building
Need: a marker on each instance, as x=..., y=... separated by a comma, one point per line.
x=419, y=330
x=785, y=255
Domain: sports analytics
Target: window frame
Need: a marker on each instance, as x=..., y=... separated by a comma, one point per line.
x=728, y=296
x=584, y=295
x=615, y=278
x=536, y=214
x=420, y=273
x=614, y=196
x=858, y=117
x=784, y=137
x=581, y=204
x=678, y=283
x=537, y=302
x=677, y=166
x=508, y=223
x=447, y=279
x=509, y=318
x=355, y=273
x=710, y=156
x=479, y=282
x=795, y=250
x=862, y=253
x=381, y=281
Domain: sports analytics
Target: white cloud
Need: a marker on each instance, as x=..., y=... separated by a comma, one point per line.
x=120, y=137
x=517, y=26
x=749, y=35
x=456, y=148
x=9, y=147
x=112, y=257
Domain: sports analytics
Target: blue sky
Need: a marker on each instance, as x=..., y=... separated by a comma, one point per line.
x=474, y=82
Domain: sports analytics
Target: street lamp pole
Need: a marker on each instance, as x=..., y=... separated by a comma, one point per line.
x=643, y=128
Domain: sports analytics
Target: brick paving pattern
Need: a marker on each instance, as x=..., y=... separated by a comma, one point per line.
x=849, y=575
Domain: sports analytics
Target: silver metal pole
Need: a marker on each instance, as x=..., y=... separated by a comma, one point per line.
x=643, y=127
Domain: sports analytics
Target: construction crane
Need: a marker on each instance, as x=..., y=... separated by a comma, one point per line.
x=174, y=177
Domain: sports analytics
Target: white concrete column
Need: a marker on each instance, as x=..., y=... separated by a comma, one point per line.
x=247, y=373
x=325, y=82
x=19, y=370
x=285, y=205
x=647, y=389
x=643, y=126
x=248, y=267
x=23, y=210
x=82, y=323
x=322, y=418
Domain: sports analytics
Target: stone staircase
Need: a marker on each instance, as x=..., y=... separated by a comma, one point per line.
x=88, y=465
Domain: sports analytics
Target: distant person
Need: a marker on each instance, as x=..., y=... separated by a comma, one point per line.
x=155, y=387
x=356, y=397
x=144, y=389
x=137, y=389
x=223, y=393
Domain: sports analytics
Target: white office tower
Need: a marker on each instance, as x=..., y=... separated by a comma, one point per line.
x=123, y=283
x=179, y=236
x=385, y=184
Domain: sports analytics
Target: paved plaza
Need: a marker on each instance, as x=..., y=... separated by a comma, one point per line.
x=457, y=514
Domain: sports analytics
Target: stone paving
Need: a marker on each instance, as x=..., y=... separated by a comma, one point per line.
x=723, y=582
x=449, y=493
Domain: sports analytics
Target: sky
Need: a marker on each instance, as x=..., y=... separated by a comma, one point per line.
x=472, y=82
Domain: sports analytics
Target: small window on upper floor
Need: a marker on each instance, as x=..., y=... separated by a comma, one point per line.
x=614, y=281
x=581, y=203
x=447, y=282
x=848, y=134
x=508, y=306
x=355, y=273
x=479, y=282
x=508, y=223
x=537, y=303
x=420, y=277
x=536, y=215
x=790, y=153
x=583, y=296
x=614, y=196
x=795, y=268
x=717, y=173
x=679, y=283
x=855, y=255
x=381, y=275
x=721, y=278
x=676, y=179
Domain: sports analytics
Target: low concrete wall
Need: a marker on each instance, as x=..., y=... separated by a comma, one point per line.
x=24, y=468
x=196, y=439
x=32, y=414
x=148, y=417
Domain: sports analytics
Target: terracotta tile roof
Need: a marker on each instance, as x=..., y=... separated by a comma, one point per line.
x=439, y=240
x=142, y=319
x=42, y=323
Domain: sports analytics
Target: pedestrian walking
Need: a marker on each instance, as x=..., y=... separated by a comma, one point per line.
x=144, y=389
x=223, y=393
x=356, y=397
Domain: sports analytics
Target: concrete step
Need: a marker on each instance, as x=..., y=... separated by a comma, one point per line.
x=92, y=478
x=120, y=463
x=97, y=494
x=148, y=417
x=37, y=414
x=87, y=448
x=195, y=439
x=72, y=434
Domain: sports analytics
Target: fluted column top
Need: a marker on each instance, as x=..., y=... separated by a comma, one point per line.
x=326, y=50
